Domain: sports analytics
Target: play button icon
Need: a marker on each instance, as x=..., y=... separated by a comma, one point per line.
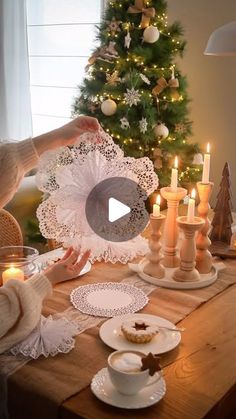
x=115, y=209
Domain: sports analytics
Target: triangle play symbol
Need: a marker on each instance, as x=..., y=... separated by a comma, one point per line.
x=117, y=210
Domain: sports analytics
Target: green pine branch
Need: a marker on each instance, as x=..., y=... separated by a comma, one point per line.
x=153, y=61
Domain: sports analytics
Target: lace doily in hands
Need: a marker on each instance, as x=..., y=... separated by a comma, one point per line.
x=50, y=337
x=68, y=175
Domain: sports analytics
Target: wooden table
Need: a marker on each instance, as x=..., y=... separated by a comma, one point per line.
x=200, y=374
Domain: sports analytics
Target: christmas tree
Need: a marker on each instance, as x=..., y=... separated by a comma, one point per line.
x=221, y=223
x=136, y=91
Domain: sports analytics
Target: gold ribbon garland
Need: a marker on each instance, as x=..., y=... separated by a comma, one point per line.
x=162, y=84
x=147, y=12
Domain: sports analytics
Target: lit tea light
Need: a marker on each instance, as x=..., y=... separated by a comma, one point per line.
x=174, y=176
x=206, y=165
x=191, y=207
x=12, y=273
x=156, y=207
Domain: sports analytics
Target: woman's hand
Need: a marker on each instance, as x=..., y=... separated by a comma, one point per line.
x=65, y=135
x=71, y=131
x=68, y=267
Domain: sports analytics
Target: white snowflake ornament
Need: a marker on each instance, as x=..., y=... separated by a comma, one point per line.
x=124, y=123
x=180, y=128
x=132, y=97
x=143, y=125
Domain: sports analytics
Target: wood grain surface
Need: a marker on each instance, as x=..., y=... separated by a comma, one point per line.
x=200, y=374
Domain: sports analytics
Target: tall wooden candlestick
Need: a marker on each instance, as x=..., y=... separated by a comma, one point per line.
x=187, y=271
x=171, y=260
x=204, y=257
x=153, y=267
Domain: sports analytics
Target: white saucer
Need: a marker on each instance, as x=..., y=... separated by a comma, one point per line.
x=164, y=341
x=104, y=390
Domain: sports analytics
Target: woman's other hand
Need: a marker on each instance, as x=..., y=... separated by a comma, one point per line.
x=68, y=267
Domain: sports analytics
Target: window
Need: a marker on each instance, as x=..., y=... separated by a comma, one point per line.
x=61, y=35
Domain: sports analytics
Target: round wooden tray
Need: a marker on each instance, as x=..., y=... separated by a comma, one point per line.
x=169, y=282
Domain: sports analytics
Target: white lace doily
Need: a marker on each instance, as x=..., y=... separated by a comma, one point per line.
x=108, y=299
x=68, y=175
x=49, y=337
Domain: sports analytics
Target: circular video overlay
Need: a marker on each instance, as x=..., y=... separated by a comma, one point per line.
x=115, y=209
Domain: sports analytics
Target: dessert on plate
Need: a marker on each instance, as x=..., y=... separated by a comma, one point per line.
x=139, y=331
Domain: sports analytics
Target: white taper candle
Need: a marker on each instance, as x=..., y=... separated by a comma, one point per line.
x=206, y=165
x=174, y=176
x=156, y=207
x=191, y=207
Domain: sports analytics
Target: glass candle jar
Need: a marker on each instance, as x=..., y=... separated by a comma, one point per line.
x=17, y=262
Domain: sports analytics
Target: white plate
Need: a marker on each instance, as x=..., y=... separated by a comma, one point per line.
x=111, y=334
x=86, y=268
x=48, y=258
x=108, y=299
x=103, y=389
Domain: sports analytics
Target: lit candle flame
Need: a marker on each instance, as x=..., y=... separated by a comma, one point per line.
x=193, y=193
x=176, y=162
x=208, y=148
x=158, y=200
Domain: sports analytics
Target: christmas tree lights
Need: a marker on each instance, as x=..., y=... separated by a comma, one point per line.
x=135, y=89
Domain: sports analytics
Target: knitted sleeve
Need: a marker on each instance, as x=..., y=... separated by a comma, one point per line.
x=20, y=308
x=16, y=159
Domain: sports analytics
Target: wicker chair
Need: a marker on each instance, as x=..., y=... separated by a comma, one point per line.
x=10, y=231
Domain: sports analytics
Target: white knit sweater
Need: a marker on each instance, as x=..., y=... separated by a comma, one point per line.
x=20, y=302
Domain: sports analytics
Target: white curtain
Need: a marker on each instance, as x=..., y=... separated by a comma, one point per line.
x=15, y=106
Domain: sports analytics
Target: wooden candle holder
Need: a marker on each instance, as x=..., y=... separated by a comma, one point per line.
x=153, y=267
x=171, y=260
x=187, y=271
x=204, y=257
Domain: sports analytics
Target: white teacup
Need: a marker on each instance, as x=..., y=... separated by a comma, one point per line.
x=124, y=368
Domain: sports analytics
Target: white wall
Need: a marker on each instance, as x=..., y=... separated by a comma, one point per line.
x=212, y=81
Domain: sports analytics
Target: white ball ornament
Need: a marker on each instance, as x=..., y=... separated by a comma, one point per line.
x=151, y=34
x=161, y=131
x=108, y=107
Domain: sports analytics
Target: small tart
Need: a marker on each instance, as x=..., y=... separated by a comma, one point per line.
x=139, y=331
